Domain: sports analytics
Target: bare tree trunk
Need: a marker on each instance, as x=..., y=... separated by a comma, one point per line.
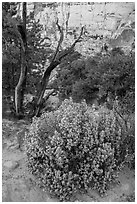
x=43, y=85
x=55, y=61
x=25, y=46
x=20, y=88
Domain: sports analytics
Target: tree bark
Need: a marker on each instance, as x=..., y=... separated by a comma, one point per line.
x=20, y=88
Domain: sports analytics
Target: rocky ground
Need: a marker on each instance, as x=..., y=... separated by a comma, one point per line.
x=18, y=185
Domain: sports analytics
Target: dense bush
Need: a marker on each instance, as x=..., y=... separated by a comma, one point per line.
x=83, y=78
x=73, y=148
x=117, y=73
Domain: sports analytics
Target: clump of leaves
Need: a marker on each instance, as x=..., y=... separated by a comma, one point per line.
x=83, y=78
x=73, y=148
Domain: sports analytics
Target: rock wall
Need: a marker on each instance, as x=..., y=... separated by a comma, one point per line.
x=101, y=18
x=115, y=21
x=98, y=18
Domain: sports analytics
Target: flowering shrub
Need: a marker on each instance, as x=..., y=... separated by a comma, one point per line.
x=73, y=148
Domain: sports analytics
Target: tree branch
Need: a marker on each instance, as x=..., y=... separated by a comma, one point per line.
x=60, y=40
x=64, y=53
x=78, y=39
x=69, y=50
x=55, y=61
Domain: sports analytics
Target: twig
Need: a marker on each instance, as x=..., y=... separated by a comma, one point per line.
x=77, y=40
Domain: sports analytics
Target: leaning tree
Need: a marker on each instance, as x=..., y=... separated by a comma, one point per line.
x=56, y=60
x=22, y=36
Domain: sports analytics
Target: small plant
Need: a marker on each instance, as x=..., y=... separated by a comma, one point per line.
x=73, y=148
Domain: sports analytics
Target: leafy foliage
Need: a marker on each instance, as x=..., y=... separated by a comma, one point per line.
x=114, y=73
x=37, y=51
x=10, y=48
x=117, y=72
x=75, y=147
x=118, y=77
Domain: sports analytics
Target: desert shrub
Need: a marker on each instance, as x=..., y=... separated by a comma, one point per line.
x=83, y=78
x=117, y=73
x=73, y=148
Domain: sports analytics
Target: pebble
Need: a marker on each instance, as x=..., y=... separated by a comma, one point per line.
x=11, y=164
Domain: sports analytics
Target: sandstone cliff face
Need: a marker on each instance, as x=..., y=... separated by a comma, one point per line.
x=102, y=18
x=115, y=21
x=98, y=18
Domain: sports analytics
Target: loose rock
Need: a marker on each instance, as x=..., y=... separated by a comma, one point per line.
x=11, y=164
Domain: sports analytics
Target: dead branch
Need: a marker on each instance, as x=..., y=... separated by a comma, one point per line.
x=69, y=50
x=55, y=61
x=78, y=39
x=64, y=53
x=60, y=40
